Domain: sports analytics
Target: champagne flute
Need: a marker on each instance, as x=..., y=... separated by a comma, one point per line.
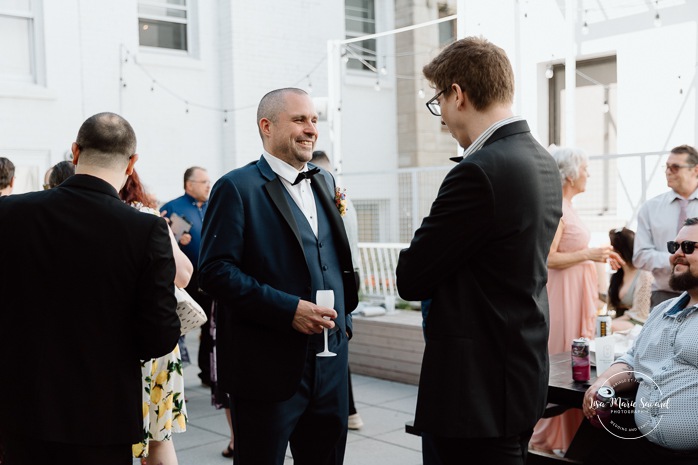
x=325, y=298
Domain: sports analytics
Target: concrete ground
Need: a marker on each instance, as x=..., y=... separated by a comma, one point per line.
x=384, y=406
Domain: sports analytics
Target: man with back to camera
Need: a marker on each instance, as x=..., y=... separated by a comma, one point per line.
x=480, y=256
x=662, y=216
x=663, y=366
x=192, y=207
x=89, y=294
x=272, y=238
x=7, y=176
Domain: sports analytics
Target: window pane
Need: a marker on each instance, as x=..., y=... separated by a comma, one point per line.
x=15, y=61
x=148, y=10
x=162, y=34
x=366, y=51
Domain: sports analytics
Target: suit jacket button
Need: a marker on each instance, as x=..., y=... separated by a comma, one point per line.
x=324, y=267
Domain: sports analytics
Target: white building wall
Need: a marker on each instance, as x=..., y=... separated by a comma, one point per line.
x=653, y=115
x=241, y=50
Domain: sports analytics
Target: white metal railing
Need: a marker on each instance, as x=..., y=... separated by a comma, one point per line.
x=377, y=264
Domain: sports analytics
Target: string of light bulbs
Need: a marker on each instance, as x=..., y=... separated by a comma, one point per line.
x=154, y=83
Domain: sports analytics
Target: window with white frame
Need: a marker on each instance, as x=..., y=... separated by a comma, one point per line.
x=18, y=55
x=360, y=20
x=163, y=24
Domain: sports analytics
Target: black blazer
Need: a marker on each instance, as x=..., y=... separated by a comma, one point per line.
x=253, y=263
x=86, y=291
x=481, y=255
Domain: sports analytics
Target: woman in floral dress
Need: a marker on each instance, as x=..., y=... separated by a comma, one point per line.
x=164, y=409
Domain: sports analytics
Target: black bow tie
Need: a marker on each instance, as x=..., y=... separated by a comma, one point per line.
x=306, y=175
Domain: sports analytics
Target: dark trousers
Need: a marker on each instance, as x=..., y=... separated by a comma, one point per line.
x=206, y=342
x=437, y=450
x=313, y=421
x=352, y=407
x=23, y=450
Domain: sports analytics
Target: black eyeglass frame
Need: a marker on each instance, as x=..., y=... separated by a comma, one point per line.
x=433, y=104
x=687, y=247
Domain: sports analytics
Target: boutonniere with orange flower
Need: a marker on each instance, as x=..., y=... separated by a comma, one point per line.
x=340, y=200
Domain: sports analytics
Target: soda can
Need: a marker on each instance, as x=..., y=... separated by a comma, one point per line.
x=603, y=325
x=602, y=404
x=581, y=365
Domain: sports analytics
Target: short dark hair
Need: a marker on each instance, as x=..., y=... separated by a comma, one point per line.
x=7, y=172
x=60, y=172
x=273, y=103
x=189, y=173
x=480, y=68
x=320, y=155
x=105, y=139
x=688, y=150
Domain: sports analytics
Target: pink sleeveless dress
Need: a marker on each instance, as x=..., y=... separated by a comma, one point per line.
x=572, y=296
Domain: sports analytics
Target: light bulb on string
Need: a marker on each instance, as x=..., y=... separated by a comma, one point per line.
x=310, y=86
x=605, y=108
x=152, y=86
x=377, y=87
x=186, y=108
x=657, y=20
x=585, y=28
x=420, y=94
x=549, y=73
x=225, y=117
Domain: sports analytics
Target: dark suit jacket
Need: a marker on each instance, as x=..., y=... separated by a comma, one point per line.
x=86, y=291
x=252, y=261
x=481, y=255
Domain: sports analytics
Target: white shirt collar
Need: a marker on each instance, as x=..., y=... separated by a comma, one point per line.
x=482, y=138
x=281, y=168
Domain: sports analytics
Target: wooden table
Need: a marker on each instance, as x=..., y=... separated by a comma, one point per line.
x=566, y=393
x=562, y=390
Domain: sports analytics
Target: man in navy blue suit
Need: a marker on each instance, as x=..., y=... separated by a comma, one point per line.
x=272, y=237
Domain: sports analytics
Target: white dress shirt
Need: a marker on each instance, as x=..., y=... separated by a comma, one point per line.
x=301, y=193
x=657, y=223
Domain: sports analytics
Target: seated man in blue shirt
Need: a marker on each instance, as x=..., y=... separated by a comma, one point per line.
x=192, y=207
x=663, y=365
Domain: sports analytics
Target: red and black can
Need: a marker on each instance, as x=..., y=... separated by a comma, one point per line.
x=602, y=404
x=581, y=365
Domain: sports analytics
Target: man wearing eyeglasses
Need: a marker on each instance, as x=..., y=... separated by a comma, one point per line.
x=481, y=256
x=191, y=207
x=661, y=217
x=663, y=366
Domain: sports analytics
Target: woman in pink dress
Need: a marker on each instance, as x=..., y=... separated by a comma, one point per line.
x=573, y=293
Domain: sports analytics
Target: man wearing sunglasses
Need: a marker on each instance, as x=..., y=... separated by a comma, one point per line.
x=480, y=256
x=663, y=365
x=661, y=217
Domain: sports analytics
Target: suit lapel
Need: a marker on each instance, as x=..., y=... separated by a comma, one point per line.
x=326, y=201
x=278, y=197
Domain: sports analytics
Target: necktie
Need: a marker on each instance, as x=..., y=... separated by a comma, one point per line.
x=683, y=215
x=306, y=175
